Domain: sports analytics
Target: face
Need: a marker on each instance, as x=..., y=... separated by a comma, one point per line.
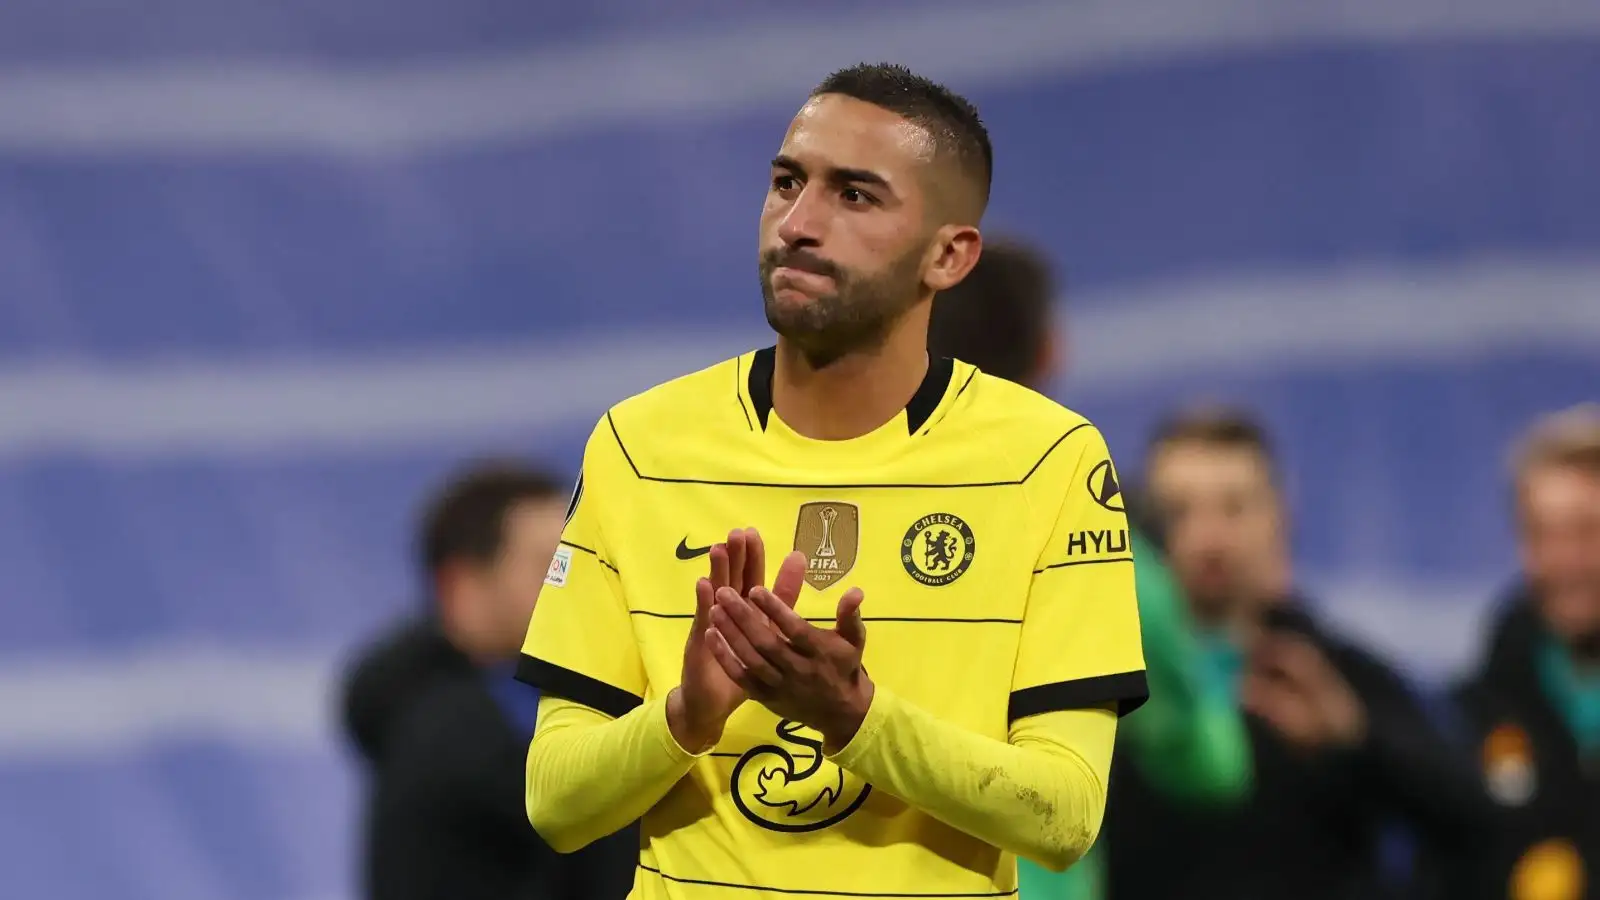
x=1559, y=513
x=849, y=236
x=495, y=601
x=1225, y=534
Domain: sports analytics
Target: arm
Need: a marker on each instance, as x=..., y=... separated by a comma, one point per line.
x=581, y=649
x=1079, y=666
x=1041, y=795
x=589, y=775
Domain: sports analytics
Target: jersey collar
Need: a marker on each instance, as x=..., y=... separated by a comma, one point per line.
x=918, y=409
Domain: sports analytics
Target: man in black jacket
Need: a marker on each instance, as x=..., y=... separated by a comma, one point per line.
x=444, y=729
x=1341, y=748
x=1533, y=709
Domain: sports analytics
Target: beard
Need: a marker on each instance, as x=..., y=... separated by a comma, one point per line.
x=857, y=315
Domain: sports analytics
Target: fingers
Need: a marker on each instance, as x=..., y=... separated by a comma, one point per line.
x=848, y=622
x=1280, y=707
x=704, y=599
x=736, y=559
x=1305, y=662
x=791, y=578
x=726, y=659
x=755, y=560
x=753, y=643
x=796, y=630
x=1295, y=661
x=719, y=566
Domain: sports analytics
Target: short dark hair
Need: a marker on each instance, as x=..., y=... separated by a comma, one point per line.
x=465, y=520
x=949, y=118
x=998, y=317
x=1216, y=426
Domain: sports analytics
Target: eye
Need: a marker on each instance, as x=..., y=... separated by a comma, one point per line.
x=856, y=196
x=784, y=182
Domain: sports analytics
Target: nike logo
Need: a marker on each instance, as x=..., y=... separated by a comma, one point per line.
x=687, y=552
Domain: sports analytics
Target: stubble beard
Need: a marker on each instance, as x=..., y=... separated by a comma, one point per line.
x=857, y=316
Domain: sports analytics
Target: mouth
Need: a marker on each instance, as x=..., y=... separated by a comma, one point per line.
x=800, y=279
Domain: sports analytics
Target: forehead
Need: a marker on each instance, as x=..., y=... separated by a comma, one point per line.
x=1190, y=465
x=834, y=131
x=1561, y=489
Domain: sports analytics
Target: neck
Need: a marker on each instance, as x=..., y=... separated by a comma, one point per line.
x=852, y=395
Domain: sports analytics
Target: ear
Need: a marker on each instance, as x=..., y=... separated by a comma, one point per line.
x=954, y=252
x=451, y=585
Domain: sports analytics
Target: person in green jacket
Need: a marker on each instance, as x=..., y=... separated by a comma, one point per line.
x=1189, y=740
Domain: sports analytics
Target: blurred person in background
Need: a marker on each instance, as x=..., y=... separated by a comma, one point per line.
x=1189, y=739
x=1533, y=707
x=442, y=726
x=1341, y=748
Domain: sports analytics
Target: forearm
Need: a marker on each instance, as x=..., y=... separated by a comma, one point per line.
x=1041, y=796
x=589, y=775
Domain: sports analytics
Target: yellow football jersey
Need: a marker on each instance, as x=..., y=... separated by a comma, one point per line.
x=986, y=528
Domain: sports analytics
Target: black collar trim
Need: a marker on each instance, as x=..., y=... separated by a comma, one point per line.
x=921, y=406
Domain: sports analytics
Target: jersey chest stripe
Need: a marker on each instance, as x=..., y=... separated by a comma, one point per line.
x=1082, y=562
x=597, y=557
x=660, y=479
x=924, y=620
x=802, y=892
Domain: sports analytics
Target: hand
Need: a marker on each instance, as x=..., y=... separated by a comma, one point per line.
x=699, y=707
x=807, y=674
x=1294, y=687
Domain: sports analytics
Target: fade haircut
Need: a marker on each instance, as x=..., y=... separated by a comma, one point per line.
x=958, y=134
x=1217, y=426
x=466, y=520
x=998, y=317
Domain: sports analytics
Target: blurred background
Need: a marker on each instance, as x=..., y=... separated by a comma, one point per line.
x=269, y=270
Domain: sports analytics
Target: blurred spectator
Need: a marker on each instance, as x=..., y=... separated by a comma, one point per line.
x=444, y=729
x=1533, y=708
x=1340, y=745
x=1188, y=737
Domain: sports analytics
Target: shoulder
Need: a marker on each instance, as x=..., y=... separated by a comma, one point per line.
x=711, y=396
x=388, y=676
x=1368, y=672
x=636, y=433
x=454, y=724
x=710, y=399
x=1039, y=433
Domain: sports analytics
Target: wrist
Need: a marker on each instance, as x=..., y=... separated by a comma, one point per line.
x=838, y=733
x=693, y=733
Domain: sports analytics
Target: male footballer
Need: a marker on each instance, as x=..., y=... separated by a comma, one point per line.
x=836, y=618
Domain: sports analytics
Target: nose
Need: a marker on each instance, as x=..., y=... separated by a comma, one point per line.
x=805, y=221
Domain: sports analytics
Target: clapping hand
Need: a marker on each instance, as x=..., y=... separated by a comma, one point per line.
x=699, y=707
x=1295, y=689
x=798, y=671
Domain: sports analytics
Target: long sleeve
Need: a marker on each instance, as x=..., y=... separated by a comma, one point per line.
x=1040, y=795
x=589, y=775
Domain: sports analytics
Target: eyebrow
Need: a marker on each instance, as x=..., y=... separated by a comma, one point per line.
x=838, y=174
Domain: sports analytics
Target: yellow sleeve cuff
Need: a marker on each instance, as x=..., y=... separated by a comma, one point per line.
x=865, y=740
